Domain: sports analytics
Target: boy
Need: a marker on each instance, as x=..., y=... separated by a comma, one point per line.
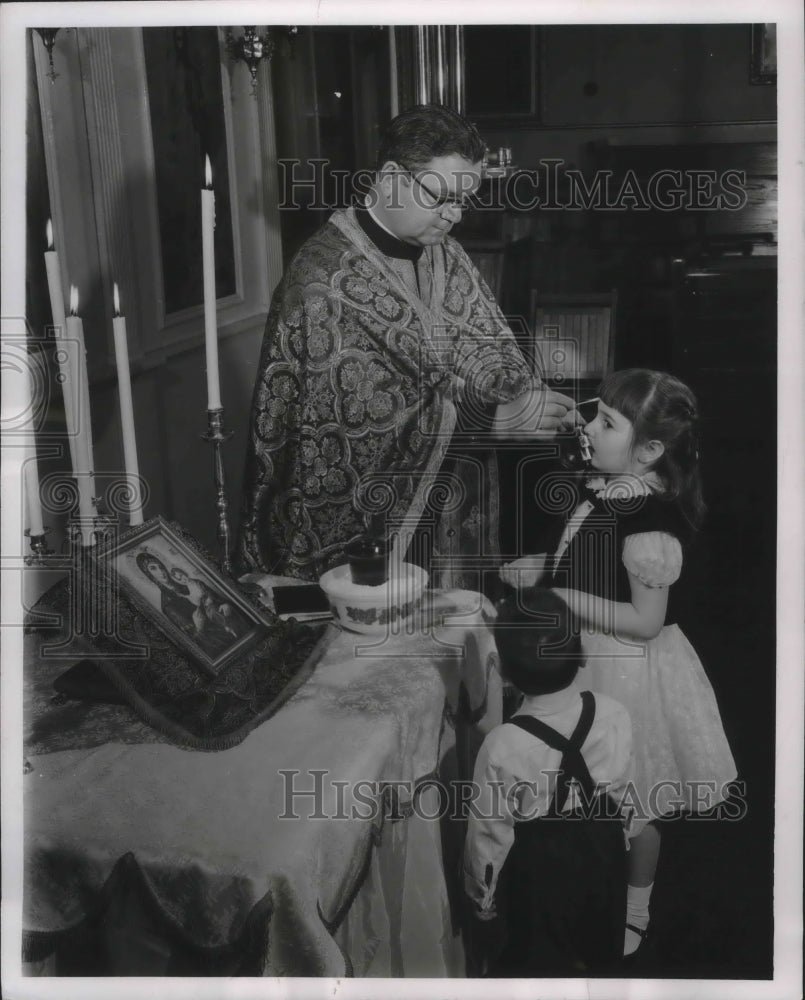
x=550, y=780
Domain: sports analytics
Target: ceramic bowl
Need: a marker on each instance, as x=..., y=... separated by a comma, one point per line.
x=373, y=610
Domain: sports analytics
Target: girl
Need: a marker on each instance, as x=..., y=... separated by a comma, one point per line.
x=614, y=561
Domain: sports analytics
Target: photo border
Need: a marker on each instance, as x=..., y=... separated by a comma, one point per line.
x=787, y=979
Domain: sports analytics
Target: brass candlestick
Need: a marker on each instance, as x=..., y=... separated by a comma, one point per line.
x=98, y=527
x=217, y=435
x=78, y=525
x=39, y=548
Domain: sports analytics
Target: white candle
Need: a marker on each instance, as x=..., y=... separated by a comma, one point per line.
x=85, y=425
x=54, y=280
x=32, y=500
x=210, y=304
x=127, y=411
x=82, y=470
x=60, y=326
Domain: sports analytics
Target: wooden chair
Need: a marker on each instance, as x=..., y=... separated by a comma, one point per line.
x=573, y=337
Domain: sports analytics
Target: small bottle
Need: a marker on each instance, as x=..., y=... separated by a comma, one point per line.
x=576, y=454
x=584, y=447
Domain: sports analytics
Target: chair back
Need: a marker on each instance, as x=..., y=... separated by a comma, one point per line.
x=489, y=261
x=573, y=336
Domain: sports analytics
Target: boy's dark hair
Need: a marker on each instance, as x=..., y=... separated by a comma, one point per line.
x=539, y=653
x=426, y=131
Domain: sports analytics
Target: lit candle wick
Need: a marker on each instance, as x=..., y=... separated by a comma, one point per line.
x=117, y=300
x=207, y=172
x=49, y=231
x=73, y=300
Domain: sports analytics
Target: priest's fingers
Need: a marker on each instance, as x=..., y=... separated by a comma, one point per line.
x=549, y=420
x=559, y=399
x=548, y=409
x=536, y=411
x=571, y=420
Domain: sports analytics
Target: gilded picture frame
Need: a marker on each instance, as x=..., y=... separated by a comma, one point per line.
x=169, y=579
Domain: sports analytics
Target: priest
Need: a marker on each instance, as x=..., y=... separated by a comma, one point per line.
x=380, y=330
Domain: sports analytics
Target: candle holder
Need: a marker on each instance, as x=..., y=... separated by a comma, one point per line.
x=99, y=524
x=252, y=47
x=105, y=526
x=76, y=527
x=216, y=434
x=39, y=548
x=104, y=517
x=85, y=601
x=48, y=36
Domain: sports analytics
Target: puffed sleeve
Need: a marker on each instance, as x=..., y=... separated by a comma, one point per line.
x=654, y=557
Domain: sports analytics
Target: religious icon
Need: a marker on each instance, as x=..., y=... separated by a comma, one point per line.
x=175, y=586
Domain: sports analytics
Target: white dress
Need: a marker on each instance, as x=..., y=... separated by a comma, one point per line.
x=682, y=757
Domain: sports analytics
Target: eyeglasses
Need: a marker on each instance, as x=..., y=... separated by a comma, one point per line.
x=441, y=202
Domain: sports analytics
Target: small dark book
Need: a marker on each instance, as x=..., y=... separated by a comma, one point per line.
x=305, y=602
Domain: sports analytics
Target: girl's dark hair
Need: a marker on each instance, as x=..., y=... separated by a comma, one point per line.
x=425, y=131
x=539, y=653
x=662, y=408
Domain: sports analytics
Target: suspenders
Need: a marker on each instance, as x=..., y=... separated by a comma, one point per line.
x=572, y=764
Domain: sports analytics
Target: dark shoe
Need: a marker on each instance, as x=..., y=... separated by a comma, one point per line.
x=643, y=934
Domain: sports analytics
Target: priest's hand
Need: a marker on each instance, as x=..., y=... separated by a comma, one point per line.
x=571, y=420
x=538, y=412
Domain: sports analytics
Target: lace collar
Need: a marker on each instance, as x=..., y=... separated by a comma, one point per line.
x=625, y=486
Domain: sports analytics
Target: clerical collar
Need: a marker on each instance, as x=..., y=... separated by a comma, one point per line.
x=387, y=244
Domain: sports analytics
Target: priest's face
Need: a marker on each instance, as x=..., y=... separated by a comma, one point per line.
x=420, y=206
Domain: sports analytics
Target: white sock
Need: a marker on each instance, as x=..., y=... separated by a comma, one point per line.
x=637, y=900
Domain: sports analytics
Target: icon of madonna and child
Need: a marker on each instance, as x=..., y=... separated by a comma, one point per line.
x=203, y=615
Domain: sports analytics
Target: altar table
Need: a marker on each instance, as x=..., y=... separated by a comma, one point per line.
x=203, y=843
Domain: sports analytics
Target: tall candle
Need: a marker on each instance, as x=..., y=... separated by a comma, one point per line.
x=83, y=385
x=127, y=411
x=57, y=311
x=210, y=304
x=32, y=500
x=82, y=470
x=54, y=280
